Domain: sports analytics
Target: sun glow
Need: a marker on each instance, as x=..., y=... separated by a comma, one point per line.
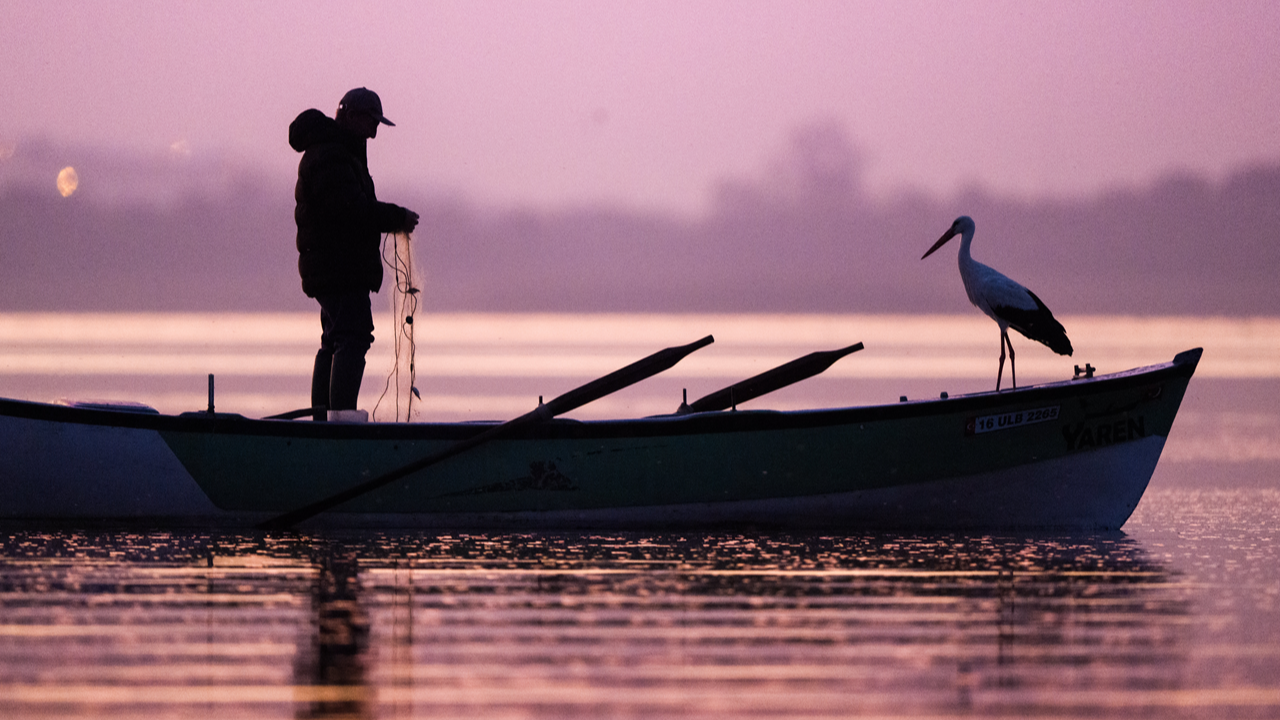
x=68, y=181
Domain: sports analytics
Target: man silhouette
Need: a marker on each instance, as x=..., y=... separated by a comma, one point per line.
x=340, y=225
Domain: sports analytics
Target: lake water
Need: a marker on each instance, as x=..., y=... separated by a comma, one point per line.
x=1176, y=616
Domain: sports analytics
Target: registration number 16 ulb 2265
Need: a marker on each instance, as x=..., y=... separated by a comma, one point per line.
x=1005, y=421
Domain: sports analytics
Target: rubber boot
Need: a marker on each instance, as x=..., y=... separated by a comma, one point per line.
x=320, y=379
x=344, y=380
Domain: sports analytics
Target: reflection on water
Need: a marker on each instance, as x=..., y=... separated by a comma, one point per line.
x=1150, y=624
x=1177, y=617
x=334, y=657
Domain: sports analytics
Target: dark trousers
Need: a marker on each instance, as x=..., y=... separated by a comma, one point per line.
x=346, y=322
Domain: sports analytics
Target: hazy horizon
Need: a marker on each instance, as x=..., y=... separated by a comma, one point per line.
x=654, y=156
x=143, y=232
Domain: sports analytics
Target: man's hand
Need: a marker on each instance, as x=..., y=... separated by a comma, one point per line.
x=410, y=221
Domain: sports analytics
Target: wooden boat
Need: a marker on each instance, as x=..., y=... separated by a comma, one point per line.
x=1074, y=455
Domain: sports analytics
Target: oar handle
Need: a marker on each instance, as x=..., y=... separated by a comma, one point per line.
x=623, y=377
x=614, y=381
x=770, y=380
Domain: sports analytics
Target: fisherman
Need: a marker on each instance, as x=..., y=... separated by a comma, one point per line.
x=340, y=225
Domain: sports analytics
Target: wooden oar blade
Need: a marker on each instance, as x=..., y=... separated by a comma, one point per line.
x=614, y=381
x=770, y=380
x=624, y=377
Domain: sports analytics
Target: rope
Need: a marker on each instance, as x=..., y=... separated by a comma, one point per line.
x=404, y=304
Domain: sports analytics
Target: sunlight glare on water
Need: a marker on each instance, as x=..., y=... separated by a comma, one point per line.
x=1178, y=617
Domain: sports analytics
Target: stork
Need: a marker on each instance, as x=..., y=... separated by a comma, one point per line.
x=1008, y=303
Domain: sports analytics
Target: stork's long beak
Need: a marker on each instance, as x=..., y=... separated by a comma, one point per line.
x=941, y=241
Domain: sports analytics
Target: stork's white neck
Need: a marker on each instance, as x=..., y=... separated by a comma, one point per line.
x=966, y=239
x=970, y=269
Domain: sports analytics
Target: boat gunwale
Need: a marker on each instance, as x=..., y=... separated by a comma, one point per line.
x=740, y=420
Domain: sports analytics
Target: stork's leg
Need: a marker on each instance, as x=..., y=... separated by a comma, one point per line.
x=1013, y=369
x=1000, y=373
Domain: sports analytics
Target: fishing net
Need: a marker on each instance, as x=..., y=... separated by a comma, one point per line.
x=405, y=294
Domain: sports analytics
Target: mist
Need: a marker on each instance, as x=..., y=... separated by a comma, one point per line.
x=804, y=235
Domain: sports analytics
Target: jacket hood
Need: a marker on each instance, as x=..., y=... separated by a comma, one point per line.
x=313, y=127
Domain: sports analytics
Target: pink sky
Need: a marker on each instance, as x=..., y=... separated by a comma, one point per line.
x=650, y=103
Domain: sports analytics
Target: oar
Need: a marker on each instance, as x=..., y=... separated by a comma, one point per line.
x=768, y=381
x=594, y=390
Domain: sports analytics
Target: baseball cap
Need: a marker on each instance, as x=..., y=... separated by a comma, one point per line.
x=366, y=101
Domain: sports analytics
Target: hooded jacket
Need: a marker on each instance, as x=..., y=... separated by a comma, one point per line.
x=340, y=221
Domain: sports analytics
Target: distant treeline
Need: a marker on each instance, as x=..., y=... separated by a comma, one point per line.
x=806, y=239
